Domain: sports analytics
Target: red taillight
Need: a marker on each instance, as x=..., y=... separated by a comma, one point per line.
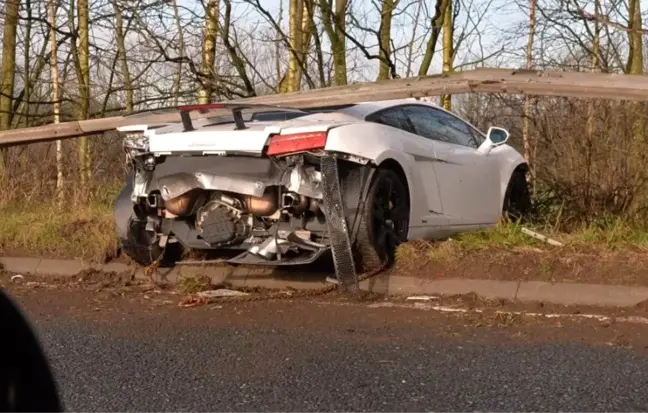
x=297, y=142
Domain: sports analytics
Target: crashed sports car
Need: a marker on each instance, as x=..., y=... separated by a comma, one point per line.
x=283, y=186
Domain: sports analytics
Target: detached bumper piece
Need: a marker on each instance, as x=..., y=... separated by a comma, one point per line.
x=337, y=226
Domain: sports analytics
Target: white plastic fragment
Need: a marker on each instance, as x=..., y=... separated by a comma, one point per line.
x=17, y=277
x=541, y=237
x=422, y=297
x=221, y=292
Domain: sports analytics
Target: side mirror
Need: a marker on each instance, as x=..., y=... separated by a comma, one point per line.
x=495, y=137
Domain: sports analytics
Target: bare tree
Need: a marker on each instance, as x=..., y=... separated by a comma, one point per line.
x=8, y=71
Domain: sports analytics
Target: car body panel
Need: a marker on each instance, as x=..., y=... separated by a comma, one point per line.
x=380, y=143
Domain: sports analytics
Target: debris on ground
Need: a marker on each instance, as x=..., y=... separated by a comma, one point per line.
x=17, y=278
x=221, y=292
x=192, y=301
x=543, y=238
x=422, y=297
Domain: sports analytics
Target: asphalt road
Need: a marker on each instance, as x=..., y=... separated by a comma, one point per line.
x=119, y=353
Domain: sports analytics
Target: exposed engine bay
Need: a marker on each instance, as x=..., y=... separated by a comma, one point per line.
x=270, y=209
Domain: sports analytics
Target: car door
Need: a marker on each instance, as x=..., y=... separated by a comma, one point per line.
x=422, y=151
x=468, y=180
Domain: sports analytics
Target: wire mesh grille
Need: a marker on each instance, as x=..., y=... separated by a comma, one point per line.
x=337, y=225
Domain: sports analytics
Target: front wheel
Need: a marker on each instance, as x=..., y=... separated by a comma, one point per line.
x=382, y=220
x=517, y=200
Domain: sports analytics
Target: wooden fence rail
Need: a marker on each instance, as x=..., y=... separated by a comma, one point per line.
x=537, y=83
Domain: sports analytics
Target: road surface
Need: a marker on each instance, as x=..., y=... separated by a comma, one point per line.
x=119, y=349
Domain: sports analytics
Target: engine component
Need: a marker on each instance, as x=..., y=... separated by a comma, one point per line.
x=304, y=180
x=314, y=206
x=295, y=202
x=269, y=248
x=185, y=203
x=220, y=223
x=265, y=205
x=154, y=200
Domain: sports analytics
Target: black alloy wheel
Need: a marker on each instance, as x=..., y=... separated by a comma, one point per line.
x=380, y=220
x=390, y=214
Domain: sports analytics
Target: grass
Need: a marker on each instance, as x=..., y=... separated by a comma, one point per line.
x=87, y=232
x=76, y=233
x=193, y=283
x=607, y=236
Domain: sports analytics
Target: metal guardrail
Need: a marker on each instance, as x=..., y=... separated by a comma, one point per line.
x=536, y=83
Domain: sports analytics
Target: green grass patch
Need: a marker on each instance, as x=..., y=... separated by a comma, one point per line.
x=75, y=233
x=602, y=236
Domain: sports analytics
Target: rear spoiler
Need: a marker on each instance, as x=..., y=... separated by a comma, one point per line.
x=236, y=110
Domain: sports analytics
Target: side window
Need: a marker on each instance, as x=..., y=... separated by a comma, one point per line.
x=395, y=117
x=461, y=132
x=426, y=124
x=435, y=124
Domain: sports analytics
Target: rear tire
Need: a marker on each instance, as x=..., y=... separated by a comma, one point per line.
x=381, y=221
x=141, y=245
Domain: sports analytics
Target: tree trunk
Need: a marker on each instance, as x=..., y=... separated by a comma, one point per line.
x=295, y=21
x=384, y=39
x=448, y=49
x=84, y=88
x=335, y=27
x=635, y=62
x=591, y=112
x=437, y=25
x=307, y=30
x=177, y=84
x=207, y=69
x=526, y=126
x=8, y=72
x=27, y=61
x=123, y=62
x=56, y=104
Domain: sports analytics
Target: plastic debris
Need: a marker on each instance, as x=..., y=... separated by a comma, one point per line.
x=221, y=292
x=17, y=278
x=542, y=237
x=422, y=298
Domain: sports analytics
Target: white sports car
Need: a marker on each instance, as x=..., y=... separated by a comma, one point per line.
x=283, y=186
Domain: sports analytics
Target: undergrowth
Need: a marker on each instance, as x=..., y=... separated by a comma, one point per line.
x=602, y=236
x=74, y=231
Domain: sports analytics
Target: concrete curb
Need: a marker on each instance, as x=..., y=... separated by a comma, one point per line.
x=525, y=291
